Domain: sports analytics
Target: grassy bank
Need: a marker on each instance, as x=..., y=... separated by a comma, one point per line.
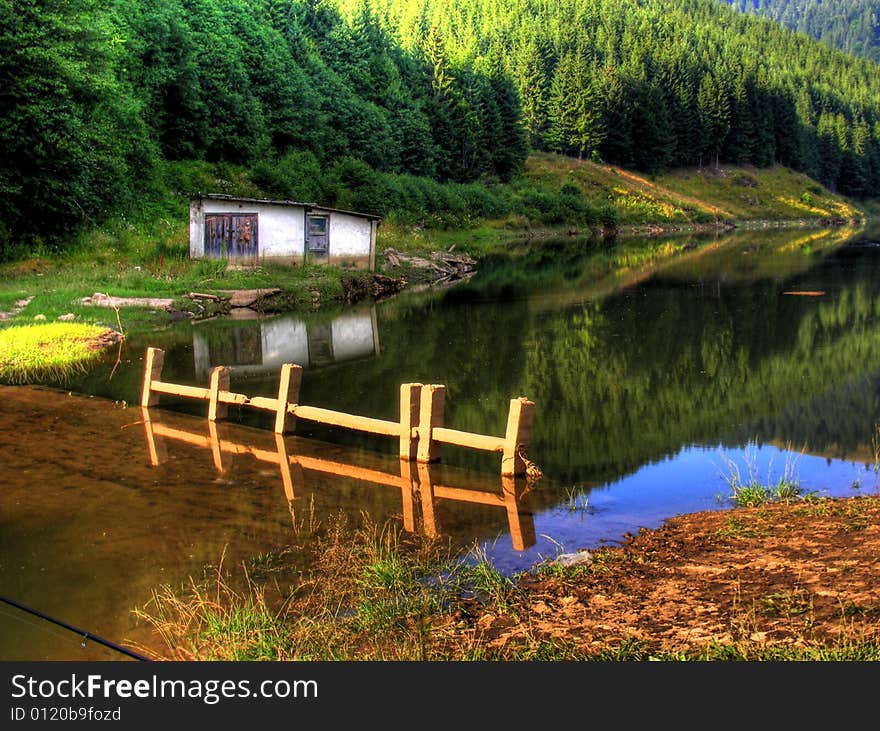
x=375, y=593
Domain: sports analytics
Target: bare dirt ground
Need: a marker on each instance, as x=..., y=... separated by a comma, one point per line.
x=789, y=574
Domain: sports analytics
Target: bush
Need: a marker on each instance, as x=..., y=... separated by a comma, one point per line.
x=608, y=215
x=296, y=175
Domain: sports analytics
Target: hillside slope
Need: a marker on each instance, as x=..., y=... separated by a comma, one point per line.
x=696, y=195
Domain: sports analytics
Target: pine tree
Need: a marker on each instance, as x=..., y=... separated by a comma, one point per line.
x=714, y=108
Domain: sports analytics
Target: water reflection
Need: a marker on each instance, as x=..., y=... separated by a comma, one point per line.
x=101, y=504
x=263, y=345
x=421, y=486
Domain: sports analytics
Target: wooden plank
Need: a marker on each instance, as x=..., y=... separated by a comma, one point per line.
x=219, y=382
x=230, y=397
x=257, y=402
x=289, y=383
x=432, y=406
x=467, y=439
x=410, y=394
x=153, y=361
x=349, y=421
x=176, y=389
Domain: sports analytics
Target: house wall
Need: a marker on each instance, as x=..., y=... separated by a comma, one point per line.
x=351, y=239
x=281, y=233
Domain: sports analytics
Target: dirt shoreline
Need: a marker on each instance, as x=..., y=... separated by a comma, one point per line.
x=799, y=574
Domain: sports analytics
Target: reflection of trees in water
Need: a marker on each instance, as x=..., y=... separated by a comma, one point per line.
x=620, y=377
x=644, y=373
x=838, y=423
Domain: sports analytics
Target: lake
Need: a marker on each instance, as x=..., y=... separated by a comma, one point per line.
x=660, y=371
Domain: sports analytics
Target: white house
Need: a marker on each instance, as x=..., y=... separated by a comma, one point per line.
x=246, y=230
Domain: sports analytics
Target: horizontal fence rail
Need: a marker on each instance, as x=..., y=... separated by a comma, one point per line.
x=420, y=429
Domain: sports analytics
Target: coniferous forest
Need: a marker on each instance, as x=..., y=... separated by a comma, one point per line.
x=851, y=25
x=98, y=97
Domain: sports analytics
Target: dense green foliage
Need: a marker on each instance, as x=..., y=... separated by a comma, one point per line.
x=851, y=25
x=98, y=94
x=663, y=83
x=73, y=139
x=350, y=102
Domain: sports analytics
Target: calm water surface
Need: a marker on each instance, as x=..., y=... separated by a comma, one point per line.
x=656, y=379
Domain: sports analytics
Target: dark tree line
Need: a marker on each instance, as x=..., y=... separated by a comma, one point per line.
x=95, y=95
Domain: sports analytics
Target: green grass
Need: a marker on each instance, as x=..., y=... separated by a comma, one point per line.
x=58, y=286
x=749, y=490
x=753, y=493
x=694, y=196
x=31, y=352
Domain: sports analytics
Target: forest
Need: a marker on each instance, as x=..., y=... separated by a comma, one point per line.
x=104, y=102
x=851, y=25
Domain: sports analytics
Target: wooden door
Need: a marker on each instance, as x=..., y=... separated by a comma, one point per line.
x=231, y=235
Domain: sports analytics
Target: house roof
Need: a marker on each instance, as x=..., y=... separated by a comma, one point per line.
x=299, y=204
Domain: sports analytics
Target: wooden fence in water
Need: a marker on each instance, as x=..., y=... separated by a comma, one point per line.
x=419, y=429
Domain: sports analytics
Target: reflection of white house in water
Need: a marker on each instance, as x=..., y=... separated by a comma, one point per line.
x=264, y=345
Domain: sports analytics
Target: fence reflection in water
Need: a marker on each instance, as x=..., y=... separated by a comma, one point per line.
x=419, y=483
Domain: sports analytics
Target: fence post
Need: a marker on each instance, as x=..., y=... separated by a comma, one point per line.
x=288, y=392
x=410, y=393
x=216, y=450
x=517, y=437
x=431, y=411
x=219, y=382
x=153, y=362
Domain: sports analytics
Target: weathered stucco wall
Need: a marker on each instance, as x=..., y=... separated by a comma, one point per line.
x=351, y=239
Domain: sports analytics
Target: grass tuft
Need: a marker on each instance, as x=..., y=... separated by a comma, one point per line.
x=55, y=350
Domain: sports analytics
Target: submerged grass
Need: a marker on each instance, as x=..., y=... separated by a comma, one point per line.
x=29, y=353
